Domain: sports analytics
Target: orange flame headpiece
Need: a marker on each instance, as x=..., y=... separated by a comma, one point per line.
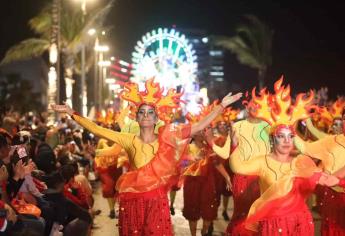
x=229, y=114
x=327, y=115
x=277, y=109
x=205, y=110
x=153, y=96
x=107, y=118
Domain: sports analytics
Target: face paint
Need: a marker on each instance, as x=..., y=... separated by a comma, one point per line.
x=283, y=139
x=146, y=115
x=337, y=126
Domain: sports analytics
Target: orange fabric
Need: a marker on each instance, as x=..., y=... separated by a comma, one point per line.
x=282, y=194
x=26, y=208
x=162, y=170
x=107, y=156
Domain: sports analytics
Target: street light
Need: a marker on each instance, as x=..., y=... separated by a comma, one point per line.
x=83, y=72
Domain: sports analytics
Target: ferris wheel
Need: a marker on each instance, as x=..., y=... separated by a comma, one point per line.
x=168, y=56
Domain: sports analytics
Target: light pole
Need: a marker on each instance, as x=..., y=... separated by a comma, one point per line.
x=83, y=73
x=102, y=71
x=53, y=91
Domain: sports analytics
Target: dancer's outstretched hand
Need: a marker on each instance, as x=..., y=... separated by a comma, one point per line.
x=229, y=99
x=328, y=180
x=62, y=109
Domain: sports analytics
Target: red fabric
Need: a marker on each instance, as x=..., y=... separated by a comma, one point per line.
x=297, y=224
x=342, y=183
x=39, y=185
x=331, y=205
x=108, y=177
x=175, y=188
x=219, y=178
x=200, y=198
x=288, y=215
x=163, y=169
x=76, y=194
x=145, y=214
x=245, y=190
x=2, y=219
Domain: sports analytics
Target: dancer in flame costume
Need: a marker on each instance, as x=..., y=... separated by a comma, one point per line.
x=110, y=160
x=144, y=206
x=200, y=193
x=223, y=125
x=285, y=181
x=330, y=149
x=252, y=140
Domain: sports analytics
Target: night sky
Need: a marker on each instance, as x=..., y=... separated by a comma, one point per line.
x=308, y=44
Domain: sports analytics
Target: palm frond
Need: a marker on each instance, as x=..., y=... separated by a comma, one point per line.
x=26, y=49
x=42, y=23
x=240, y=48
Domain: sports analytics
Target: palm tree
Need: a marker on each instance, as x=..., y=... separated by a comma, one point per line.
x=73, y=35
x=252, y=45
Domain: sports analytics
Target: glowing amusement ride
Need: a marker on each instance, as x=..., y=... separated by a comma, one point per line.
x=167, y=56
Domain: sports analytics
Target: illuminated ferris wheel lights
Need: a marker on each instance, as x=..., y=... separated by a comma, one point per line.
x=152, y=54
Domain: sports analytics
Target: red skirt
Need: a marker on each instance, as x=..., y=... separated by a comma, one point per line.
x=145, y=214
x=108, y=178
x=245, y=190
x=200, y=198
x=295, y=224
x=331, y=205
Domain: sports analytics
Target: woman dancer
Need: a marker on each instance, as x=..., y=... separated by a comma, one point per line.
x=285, y=181
x=144, y=206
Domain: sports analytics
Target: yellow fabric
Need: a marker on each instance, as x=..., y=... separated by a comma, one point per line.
x=102, y=143
x=253, y=138
x=276, y=178
x=223, y=152
x=107, y=156
x=330, y=150
x=198, y=160
x=314, y=131
x=122, y=116
x=139, y=153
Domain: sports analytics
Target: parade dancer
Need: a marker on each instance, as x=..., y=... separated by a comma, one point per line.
x=252, y=140
x=330, y=149
x=285, y=181
x=200, y=195
x=223, y=126
x=144, y=206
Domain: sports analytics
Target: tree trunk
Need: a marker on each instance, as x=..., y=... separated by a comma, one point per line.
x=261, y=77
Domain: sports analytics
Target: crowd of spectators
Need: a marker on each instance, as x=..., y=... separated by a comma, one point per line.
x=44, y=172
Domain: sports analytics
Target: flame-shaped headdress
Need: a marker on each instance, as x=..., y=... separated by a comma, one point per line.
x=277, y=109
x=328, y=114
x=153, y=96
x=229, y=114
x=109, y=117
x=205, y=110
